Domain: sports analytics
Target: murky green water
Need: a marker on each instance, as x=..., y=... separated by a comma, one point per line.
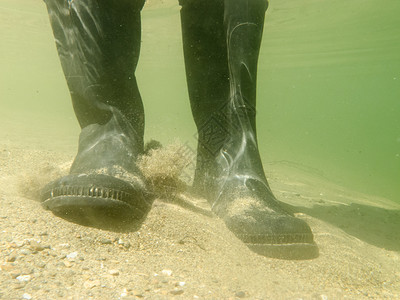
x=328, y=87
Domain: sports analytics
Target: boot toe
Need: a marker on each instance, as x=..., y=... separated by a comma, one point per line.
x=96, y=200
x=274, y=235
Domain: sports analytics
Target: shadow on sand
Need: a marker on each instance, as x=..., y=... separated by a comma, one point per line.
x=377, y=226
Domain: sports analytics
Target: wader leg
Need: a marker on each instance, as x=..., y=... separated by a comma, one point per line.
x=221, y=44
x=207, y=73
x=98, y=43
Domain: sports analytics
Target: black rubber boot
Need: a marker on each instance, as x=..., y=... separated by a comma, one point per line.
x=221, y=46
x=98, y=43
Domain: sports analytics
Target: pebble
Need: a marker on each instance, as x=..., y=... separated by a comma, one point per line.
x=177, y=292
x=19, y=285
x=7, y=267
x=166, y=272
x=124, y=293
x=139, y=294
x=72, y=255
x=240, y=294
x=41, y=264
x=105, y=241
x=25, y=252
x=91, y=283
x=19, y=244
x=15, y=273
x=25, y=278
x=67, y=264
x=26, y=296
x=35, y=246
x=113, y=272
x=101, y=258
x=124, y=244
x=11, y=258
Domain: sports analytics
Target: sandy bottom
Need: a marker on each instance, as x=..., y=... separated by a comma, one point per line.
x=183, y=252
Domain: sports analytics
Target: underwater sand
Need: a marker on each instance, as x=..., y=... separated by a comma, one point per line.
x=181, y=250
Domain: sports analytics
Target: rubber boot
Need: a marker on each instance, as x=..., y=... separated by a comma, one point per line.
x=221, y=42
x=98, y=44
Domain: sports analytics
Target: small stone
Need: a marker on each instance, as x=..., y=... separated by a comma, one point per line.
x=43, y=233
x=105, y=241
x=91, y=283
x=24, y=278
x=177, y=292
x=68, y=264
x=124, y=244
x=11, y=258
x=70, y=282
x=19, y=244
x=139, y=294
x=124, y=293
x=52, y=273
x=41, y=264
x=15, y=273
x=166, y=272
x=181, y=283
x=35, y=246
x=26, y=296
x=101, y=258
x=25, y=252
x=19, y=285
x=72, y=255
x=7, y=267
x=240, y=294
x=113, y=272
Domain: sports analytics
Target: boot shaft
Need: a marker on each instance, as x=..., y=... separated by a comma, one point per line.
x=98, y=43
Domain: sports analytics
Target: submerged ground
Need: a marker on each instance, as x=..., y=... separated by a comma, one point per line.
x=328, y=128
x=179, y=252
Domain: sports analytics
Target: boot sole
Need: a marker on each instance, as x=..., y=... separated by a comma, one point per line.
x=291, y=246
x=96, y=200
x=295, y=251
